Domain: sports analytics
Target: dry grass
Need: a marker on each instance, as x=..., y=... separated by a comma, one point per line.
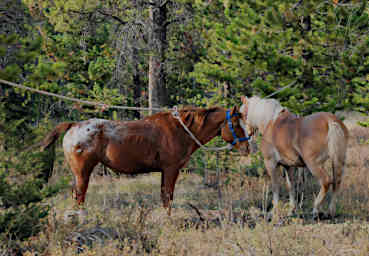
x=125, y=217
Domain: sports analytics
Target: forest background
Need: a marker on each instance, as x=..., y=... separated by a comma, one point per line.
x=162, y=53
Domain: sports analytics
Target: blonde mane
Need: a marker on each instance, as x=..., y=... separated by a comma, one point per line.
x=262, y=111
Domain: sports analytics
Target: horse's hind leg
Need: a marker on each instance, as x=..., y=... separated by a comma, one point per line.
x=82, y=169
x=320, y=173
x=338, y=170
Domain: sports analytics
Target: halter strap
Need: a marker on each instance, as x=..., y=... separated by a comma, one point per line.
x=230, y=126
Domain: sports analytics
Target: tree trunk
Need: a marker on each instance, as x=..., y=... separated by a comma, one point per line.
x=137, y=86
x=158, y=42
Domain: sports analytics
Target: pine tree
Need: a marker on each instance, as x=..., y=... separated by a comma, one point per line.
x=258, y=47
x=23, y=174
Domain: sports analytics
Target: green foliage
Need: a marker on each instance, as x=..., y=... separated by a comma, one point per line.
x=365, y=124
x=265, y=45
x=23, y=175
x=23, y=222
x=256, y=168
x=20, y=51
x=23, y=186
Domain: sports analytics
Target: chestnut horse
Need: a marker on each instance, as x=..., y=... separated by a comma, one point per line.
x=156, y=143
x=292, y=141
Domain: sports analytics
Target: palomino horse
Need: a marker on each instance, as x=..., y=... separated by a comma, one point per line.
x=155, y=143
x=292, y=141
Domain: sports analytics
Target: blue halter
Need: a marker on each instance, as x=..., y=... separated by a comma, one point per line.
x=230, y=125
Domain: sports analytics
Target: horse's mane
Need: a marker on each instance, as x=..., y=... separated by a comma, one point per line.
x=199, y=114
x=261, y=111
x=199, y=111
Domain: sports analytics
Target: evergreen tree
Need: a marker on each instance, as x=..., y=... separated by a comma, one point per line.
x=258, y=47
x=23, y=175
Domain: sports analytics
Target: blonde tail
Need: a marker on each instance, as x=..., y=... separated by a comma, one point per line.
x=337, y=144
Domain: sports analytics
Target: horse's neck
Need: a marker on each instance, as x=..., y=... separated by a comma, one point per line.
x=208, y=130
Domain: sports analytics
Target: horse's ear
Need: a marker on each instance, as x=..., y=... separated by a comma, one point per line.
x=188, y=119
x=234, y=110
x=244, y=100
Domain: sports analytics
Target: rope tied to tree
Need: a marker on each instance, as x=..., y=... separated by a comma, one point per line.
x=99, y=104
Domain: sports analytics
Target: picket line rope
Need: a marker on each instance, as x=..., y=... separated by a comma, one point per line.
x=281, y=89
x=77, y=100
x=174, y=113
x=103, y=104
x=174, y=110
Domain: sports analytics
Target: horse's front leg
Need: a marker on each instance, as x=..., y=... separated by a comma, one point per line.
x=168, y=181
x=271, y=167
x=271, y=164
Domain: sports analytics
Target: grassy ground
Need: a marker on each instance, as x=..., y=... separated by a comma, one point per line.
x=125, y=216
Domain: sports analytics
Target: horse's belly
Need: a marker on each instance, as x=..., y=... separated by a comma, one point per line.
x=120, y=168
x=291, y=158
x=125, y=159
x=292, y=162
x=287, y=150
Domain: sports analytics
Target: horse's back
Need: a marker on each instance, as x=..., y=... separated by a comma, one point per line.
x=318, y=123
x=319, y=132
x=124, y=146
x=295, y=137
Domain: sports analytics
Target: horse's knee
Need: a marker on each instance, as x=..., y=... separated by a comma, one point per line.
x=78, y=195
x=320, y=173
x=324, y=184
x=79, y=190
x=164, y=197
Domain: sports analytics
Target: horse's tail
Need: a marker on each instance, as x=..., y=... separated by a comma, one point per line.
x=337, y=145
x=54, y=135
x=337, y=140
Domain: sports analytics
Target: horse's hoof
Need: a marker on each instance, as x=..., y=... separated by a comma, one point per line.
x=268, y=216
x=320, y=216
x=332, y=215
x=82, y=212
x=70, y=216
x=75, y=216
x=316, y=216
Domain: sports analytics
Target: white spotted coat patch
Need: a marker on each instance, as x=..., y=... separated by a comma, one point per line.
x=85, y=132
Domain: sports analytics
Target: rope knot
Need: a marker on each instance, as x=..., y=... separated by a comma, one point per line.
x=175, y=112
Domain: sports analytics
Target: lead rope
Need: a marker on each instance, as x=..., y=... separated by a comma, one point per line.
x=175, y=114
